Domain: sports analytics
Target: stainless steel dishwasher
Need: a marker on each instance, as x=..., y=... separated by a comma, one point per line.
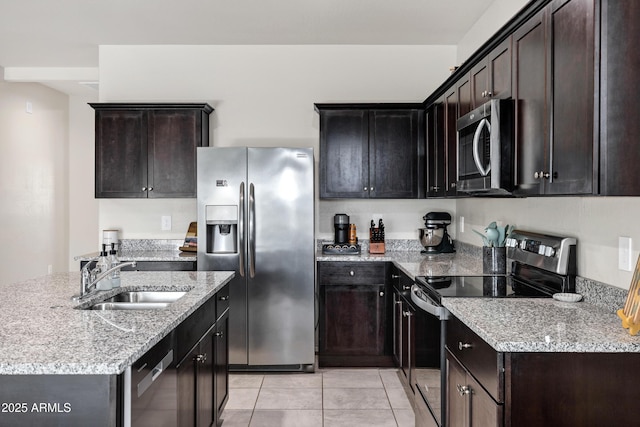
x=150, y=388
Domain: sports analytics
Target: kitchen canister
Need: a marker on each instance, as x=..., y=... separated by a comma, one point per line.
x=494, y=260
x=110, y=236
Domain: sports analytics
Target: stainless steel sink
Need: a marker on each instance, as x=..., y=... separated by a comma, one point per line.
x=146, y=297
x=138, y=300
x=129, y=305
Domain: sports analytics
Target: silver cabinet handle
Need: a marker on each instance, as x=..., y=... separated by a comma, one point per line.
x=371, y=189
x=381, y=293
x=144, y=188
x=351, y=273
x=366, y=188
x=462, y=346
x=150, y=188
x=399, y=302
x=463, y=389
x=395, y=276
x=453, y=185
x=406, y=287
x=224, y=298
x=218, y=335
x=201, y=358
x=541, y=174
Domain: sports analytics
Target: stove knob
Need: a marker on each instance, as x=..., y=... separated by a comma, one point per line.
x=549, y=251
x=523, y=244
x=542, y=249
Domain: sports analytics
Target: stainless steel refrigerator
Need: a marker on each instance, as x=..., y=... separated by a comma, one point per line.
x=256, y=216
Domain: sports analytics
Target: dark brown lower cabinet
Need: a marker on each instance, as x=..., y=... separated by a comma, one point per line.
x=468, y=403
x=354, y=305
x=490, y=388
x=203, y=388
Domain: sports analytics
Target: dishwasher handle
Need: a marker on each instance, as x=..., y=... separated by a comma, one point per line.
x=425, y=303
x=148, y=380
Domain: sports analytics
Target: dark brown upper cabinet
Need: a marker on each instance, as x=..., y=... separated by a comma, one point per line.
x=491, y=77
x=148, y=150
x=371, y=150
x=553, y=79
x=619, y=88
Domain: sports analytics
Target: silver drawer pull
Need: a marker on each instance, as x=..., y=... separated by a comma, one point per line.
x=224, y=298
x=462, y=346
x=351, y=273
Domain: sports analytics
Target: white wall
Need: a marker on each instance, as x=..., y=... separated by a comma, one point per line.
x=33, y=181
x=83, y=207
x=498, y=13
x=264, y=96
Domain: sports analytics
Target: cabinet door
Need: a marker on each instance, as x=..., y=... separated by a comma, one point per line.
x=620, y=127
x=464, y=95
x=451, y=142
x=344, y=154
x=479, y=84
x=571, y=24
x=121, y=153
x=174, y=136
x=398, y=339
x=221, y=363
x=436, y=149
x=394, y=153
x=186, y=372
x=457, y=412
x=499, y=65
x=530, y=94
x=353, y=320
x=204, y=360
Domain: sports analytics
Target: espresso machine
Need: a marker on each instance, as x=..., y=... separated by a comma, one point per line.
x=434, y=236
x=345, y=242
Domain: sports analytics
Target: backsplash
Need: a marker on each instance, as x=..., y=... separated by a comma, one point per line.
x=127, y=245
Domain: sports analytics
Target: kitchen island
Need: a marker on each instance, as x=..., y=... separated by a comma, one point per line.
x=53, y=351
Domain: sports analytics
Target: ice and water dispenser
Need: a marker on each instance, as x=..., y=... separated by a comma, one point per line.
x=222, y=229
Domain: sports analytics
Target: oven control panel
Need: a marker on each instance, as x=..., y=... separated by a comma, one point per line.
x=552, y=253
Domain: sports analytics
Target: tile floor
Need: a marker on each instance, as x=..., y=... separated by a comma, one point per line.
x=326, y=398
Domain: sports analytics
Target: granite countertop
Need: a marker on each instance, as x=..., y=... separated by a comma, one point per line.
x=146, y=255
x=42, y=331
x=414, y=263
x=543, y=325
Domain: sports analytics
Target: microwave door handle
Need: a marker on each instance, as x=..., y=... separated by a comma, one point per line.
x=476, y=146
x=437, y=311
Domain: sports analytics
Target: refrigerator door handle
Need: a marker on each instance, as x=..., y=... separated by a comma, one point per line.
x=252, y=232
x=241, y=226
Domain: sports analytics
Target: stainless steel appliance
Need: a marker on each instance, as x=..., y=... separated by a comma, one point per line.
x=256, y=217
x=486, y=149
x=434, y=236
x=541, y=265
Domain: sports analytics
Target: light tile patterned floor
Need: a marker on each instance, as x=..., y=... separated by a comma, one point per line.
x=326, y=398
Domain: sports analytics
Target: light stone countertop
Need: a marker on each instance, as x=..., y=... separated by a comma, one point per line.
x=413, y=263
x=145, y=255
x=42, y=331
x=543, y=325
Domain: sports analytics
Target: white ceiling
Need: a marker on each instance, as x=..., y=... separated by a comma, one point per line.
x=67, y=33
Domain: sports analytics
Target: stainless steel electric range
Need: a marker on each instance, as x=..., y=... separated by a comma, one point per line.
x=540, y=266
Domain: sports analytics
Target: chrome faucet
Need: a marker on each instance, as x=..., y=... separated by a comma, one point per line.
x=89, y=278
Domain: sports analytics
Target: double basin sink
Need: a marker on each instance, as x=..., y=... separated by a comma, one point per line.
x=138, y=300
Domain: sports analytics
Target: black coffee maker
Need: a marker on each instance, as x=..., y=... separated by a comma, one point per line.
x=341, y=228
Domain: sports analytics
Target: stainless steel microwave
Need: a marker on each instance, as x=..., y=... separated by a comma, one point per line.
x=486, y=149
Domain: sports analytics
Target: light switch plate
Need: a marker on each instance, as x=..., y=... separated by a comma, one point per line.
x=624, y=253
x=165, y=223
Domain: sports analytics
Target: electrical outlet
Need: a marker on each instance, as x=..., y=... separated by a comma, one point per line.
x=461, y=224
x=165, y=223
x=624, y=253
x=29, y=108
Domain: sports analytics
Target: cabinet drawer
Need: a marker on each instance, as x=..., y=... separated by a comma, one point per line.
x=478, y=357
x=195, y=326
x=222, y=301
x=351, y=273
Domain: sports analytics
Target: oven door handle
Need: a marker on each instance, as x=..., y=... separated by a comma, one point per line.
x=428, y=306
x=476, y=146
